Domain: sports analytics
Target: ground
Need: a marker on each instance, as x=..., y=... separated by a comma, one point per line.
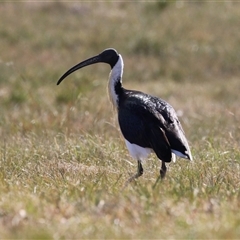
x=63, y=160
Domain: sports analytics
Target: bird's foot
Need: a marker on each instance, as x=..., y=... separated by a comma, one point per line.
x=162, y=175
x=163, y=170
x=135, y=176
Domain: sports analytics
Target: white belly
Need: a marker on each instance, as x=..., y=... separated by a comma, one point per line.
x=137, y=152
x=141, y=153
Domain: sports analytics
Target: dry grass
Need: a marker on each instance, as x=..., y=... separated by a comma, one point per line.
x=63, y=163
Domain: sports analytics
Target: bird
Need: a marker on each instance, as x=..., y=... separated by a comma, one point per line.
x=148, y=124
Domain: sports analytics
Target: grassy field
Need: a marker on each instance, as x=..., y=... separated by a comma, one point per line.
x=63, y=161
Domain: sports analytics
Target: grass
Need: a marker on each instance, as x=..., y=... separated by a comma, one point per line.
x=63, y=161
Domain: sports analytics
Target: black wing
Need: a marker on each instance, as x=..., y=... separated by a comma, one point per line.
x=151, y=122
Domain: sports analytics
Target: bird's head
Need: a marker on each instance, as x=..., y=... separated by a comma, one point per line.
x=109, y=56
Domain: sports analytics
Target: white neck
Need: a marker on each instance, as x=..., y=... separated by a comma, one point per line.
x=115, y=77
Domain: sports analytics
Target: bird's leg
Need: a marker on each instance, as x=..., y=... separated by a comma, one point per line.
x=163, y=170
x=138, y=174
x=140, y=170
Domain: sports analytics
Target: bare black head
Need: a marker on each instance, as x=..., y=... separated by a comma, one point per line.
x=109, y=56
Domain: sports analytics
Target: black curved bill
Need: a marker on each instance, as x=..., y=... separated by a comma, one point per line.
x=82, y=64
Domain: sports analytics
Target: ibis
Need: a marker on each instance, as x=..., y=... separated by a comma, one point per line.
x=148, y=123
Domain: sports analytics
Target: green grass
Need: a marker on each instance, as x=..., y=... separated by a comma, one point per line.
x=63, y=162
